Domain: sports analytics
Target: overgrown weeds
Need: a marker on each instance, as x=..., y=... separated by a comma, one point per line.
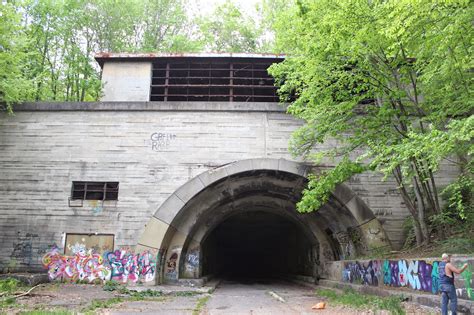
x=96, y=304
x=352, y=298
x=201, y=303
x=8, y=287
x=45, y=312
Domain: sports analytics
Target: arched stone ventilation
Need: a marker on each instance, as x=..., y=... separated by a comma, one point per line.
x=266, y=190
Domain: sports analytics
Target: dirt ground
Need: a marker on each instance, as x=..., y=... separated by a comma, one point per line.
x=228, y=298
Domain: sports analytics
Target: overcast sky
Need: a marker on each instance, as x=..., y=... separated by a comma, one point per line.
x=201, y=7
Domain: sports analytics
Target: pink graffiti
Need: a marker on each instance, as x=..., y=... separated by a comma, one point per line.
x=82, y=266
x=129, y=267
x=119, y=265
x=403, y=273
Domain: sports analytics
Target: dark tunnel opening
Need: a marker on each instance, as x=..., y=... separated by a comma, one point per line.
x=257, y=244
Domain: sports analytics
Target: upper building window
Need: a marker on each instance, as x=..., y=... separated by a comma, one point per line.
x=213, y=79
x=94, y=191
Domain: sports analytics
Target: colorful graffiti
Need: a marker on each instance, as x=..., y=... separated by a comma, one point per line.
x=87, y=265
x=126, y=266
x=81, y=266
x=467, y=275
x=414, y=274
x=360, y=273
x=171, y=272
x=192, y=262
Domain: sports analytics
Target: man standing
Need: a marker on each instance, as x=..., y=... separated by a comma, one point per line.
x=446, y=272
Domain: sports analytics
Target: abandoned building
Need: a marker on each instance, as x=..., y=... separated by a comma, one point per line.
x=186, y=158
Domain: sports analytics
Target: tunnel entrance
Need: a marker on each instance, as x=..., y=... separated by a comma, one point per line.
x=255, y=245
x=240, y=220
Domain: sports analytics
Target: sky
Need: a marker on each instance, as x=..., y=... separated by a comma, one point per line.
x=207, y=6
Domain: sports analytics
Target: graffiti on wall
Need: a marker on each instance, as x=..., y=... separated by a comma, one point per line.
x=414, y=274
x=192, y=262
x=171, y=267
x=467, y=290
x=87, y=265
x=126, y=266
x=360, y=273
x=82, y=265
x=23, y=249
x=160, y=140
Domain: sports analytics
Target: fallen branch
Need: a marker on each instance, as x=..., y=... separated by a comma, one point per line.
x=28, y=292
x=18, y=294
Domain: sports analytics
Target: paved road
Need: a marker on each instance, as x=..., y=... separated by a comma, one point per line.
x=230, y=297
x=237, y=297
x=265, y=297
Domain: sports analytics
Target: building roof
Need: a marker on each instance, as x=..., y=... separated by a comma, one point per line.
x=106, y=56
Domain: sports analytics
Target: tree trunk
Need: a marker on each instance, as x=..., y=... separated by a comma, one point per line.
x=421, y=206
x=418, y=232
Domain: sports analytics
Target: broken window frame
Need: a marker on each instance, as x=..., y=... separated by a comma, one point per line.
x=213, y=79
x=89, y=190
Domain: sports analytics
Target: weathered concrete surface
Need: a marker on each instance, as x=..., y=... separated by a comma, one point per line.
x=279, y=297
x=152, y=149
x=232, y=297
x=30, y=279
x=126, y=81
x=180, y=305
x=426, y=300
x=416, y=275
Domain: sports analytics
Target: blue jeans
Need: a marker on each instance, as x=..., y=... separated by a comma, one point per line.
x=448, y=292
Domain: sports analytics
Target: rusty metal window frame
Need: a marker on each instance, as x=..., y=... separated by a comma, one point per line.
x=89, y=190
x=228, y=80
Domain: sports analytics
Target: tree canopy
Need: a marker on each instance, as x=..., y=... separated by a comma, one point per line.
x=47, y=47
x=391, y=81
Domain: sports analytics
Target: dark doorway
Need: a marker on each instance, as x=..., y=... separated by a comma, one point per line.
x=257, y=244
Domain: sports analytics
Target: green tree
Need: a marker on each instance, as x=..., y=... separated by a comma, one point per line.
x=167, y=27
x=14, y=83
x=227, y=29
x=391, y=81
x=63, y=37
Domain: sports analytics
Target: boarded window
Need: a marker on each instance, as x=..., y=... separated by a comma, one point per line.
x=98, y=243
x=94, y=191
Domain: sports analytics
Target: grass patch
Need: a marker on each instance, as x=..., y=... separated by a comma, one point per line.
x=187, y=293
x=39, y=312
x=144, y=295
x=7, y=302
x=112, y=286
x=200, y=304
x=9, y=286
x=352, y=298
x=96, y=304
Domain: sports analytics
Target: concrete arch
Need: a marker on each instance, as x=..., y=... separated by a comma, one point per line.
x=171, y=230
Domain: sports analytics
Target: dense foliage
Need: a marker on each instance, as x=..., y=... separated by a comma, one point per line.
x=47, y=47
x=391, y=82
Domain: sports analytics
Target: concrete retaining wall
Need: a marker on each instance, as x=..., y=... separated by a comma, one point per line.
x=151, y=148
x=419, y=274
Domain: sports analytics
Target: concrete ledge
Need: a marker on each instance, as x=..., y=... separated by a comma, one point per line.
x=152, y=106
x=30, y=279
x=427, y=299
